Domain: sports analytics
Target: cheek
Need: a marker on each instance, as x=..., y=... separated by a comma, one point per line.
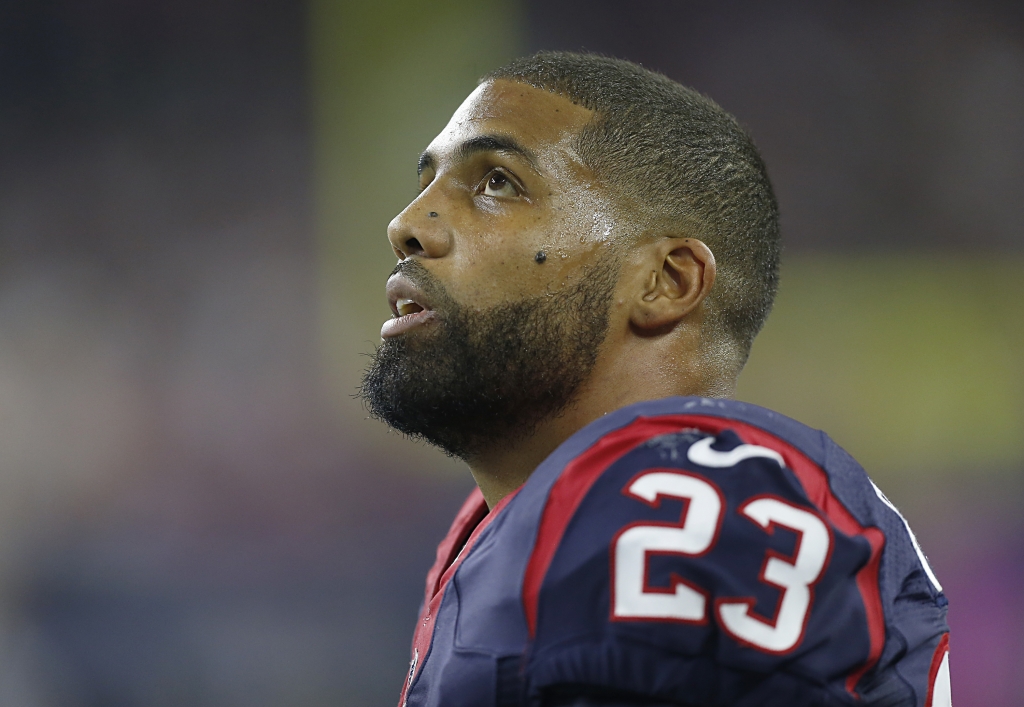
x=485, y=277
x=495, y=259
x=482, y=273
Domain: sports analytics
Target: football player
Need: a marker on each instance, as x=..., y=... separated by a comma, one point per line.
x=591, y=253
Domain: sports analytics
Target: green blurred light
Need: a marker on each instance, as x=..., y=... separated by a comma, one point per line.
x=913, y=364
x=386, y=76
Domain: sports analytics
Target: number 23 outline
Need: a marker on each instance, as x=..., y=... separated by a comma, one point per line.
x=696, y=534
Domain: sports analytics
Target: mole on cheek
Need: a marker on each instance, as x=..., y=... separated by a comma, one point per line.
x=540, y=257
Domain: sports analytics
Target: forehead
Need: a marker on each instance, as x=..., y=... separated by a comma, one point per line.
x=540, y=120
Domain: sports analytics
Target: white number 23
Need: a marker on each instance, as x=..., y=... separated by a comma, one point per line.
x=695, y=535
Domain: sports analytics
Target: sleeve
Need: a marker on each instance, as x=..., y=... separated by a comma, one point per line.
x=707, y=566
x=915, y=659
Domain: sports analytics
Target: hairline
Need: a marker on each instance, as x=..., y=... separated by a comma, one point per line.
x=716, y=336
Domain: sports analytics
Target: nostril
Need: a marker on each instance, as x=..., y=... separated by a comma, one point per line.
x=413, y=246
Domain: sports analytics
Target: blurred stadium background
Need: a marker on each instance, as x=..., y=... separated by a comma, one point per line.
x=193, y=197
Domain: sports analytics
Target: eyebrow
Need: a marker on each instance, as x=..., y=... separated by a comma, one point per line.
x=482, y=143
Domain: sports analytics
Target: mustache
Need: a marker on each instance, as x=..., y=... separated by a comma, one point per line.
x=418, y=275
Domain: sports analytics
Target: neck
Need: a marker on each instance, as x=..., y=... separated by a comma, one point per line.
x=502, y=468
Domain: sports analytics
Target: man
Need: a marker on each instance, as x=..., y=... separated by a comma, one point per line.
x=592, y=251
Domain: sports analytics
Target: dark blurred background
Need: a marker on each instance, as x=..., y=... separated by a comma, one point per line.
x=193, y=196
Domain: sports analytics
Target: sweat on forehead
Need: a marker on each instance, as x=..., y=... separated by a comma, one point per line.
x=685, y=165
x=514, y=117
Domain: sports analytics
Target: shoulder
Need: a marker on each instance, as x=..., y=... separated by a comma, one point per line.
x=692, y=533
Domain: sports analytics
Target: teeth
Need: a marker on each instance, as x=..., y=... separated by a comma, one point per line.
x=407, y=306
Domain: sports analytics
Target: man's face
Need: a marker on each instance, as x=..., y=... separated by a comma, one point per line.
x=505, y=278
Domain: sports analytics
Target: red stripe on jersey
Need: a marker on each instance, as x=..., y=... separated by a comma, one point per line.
x=471, y=520
x=473, y=510
x=933, y=671
x=567, y=493
x=580, y=475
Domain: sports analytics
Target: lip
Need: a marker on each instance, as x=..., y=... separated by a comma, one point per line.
x=399, y=288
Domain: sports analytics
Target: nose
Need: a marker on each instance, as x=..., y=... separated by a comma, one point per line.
x=419, y=230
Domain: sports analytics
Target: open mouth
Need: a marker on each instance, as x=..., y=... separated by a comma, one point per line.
x=408, y=306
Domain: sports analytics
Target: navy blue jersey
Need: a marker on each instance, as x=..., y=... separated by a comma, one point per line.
x=687, y=551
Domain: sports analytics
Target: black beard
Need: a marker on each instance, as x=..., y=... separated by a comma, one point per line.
x=486, y=379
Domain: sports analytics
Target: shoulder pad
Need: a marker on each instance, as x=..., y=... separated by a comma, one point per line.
x=683, y=554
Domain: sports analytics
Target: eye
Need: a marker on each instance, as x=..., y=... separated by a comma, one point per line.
x=498, y=184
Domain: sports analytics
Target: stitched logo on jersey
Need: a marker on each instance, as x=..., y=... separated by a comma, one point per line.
x=700, y=452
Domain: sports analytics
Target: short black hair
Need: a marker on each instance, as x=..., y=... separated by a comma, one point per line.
x=679, y=161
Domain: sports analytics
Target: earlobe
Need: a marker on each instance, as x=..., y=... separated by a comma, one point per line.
x=683, y=279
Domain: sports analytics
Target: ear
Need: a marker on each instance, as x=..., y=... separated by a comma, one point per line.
x=680, y=278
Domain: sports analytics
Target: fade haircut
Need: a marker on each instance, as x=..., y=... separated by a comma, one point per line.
x=675, y=161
